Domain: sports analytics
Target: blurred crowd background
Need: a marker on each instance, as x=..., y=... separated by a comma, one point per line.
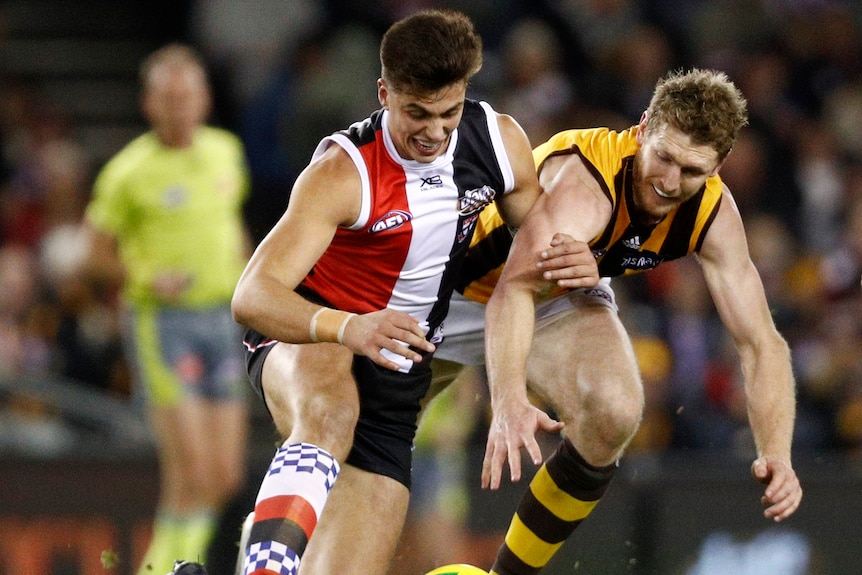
x=287, y=72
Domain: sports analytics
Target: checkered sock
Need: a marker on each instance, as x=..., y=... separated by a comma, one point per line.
x=290, y=500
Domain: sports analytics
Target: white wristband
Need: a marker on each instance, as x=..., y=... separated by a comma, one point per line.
x=340, y=337
x=312, y=326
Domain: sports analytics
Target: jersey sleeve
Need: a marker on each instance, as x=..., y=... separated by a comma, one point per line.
x=108, y=210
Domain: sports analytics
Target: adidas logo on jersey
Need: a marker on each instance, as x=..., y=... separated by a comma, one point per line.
x=633, y=243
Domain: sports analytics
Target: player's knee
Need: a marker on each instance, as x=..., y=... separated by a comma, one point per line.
x=627, y=419
x=327, y=423
x=616, y=417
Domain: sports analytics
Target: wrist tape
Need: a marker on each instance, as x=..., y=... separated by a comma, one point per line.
x=327, y=325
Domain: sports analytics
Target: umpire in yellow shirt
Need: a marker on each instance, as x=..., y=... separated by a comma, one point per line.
x=165, y=222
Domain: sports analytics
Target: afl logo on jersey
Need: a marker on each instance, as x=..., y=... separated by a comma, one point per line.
x=390, y=220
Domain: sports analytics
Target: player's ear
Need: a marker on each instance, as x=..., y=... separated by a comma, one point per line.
x=382, y=92
x=642, y=127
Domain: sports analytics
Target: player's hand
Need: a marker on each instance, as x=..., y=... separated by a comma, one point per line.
x=170, y=286
x=369, y=334
x=512, y=428
x=570, y=262
x=783, y=492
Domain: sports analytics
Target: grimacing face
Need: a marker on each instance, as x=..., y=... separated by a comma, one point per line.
x=420, y=125
x=669, y=169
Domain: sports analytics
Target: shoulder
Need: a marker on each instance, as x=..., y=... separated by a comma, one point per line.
x=480, y=115
x=501, y=126
x=726, y=233
x=129, y=158
x=330, y=186
x=362, y=132
x=332, y=164
x=594, y=144
x=589, y=159
x=727, y=209
x=483, y=112
x=518, y=149
x=523, y=183
x=137, y=149
x=510, y=129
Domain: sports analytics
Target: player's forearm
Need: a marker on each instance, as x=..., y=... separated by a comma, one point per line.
x=102, y=262
x=771, y=398
x=272, y=309
x=509, y=324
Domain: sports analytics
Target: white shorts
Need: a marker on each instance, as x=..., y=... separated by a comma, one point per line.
x=464, y=328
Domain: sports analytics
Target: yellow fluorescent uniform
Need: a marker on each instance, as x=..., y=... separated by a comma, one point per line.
x=622, y=247
x=176, y=210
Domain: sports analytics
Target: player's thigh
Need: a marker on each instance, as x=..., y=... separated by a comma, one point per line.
x=444, y=373
x=310, y=392
x=584, y=358
x=343, y=543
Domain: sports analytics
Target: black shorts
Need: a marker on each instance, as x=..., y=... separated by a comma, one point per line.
x=388, y=409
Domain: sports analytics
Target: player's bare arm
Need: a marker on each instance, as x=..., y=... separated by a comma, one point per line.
x=510, y=321
x=565, y=260
x=103, y=262
x=738, y=293
x=509, y=324
x=326, y=195
x=513, y=208
x=569, y=184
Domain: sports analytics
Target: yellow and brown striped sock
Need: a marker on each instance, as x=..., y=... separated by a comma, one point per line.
x=561, y=495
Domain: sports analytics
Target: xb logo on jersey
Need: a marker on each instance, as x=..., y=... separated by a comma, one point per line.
x=433, y=181
x=390, y=220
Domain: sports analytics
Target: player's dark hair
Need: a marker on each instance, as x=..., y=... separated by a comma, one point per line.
x=430, y=50
x=703, y=104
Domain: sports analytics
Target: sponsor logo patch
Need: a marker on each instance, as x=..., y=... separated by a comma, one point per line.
x=474, y=200
x=434, y=181
x=641, y=261
x=467, y=225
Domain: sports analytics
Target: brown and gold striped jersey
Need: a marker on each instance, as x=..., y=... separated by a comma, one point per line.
x=623, y=247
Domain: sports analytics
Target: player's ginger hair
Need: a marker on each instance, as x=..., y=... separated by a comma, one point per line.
x=703, y=104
